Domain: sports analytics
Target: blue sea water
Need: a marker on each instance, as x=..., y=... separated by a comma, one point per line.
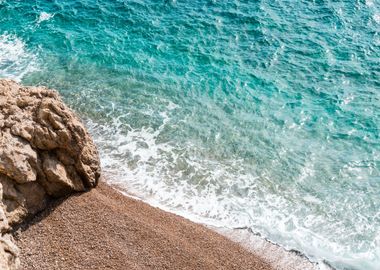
x=259, y=114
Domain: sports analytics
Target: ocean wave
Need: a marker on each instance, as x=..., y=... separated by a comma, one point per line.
x=15, y=59
x=224, y=193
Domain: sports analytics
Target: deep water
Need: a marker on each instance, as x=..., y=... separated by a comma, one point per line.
x=263, y=114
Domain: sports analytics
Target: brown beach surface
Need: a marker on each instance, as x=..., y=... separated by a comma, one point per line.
x=103, y=229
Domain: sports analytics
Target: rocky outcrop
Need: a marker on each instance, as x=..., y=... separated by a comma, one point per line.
x=45, y=152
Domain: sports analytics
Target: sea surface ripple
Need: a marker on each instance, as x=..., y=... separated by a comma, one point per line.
x=259, y=114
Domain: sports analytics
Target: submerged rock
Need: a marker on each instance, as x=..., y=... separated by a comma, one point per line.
x=45, y=152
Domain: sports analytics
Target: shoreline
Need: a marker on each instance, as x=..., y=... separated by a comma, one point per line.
x=278, y=256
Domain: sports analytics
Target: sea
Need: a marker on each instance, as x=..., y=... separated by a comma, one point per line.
x=258, y=114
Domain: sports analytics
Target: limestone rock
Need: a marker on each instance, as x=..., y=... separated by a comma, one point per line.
x=9, y=253
x=45, y=152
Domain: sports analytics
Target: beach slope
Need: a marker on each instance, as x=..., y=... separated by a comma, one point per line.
x=103, y=229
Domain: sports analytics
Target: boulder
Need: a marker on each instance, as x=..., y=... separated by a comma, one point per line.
x=45, y=153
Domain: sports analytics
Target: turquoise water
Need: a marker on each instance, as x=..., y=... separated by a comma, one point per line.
x=260, y=114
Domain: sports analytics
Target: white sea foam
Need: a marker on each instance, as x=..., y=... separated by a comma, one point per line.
x=15, y=59
x=218, y=193
x=44, y=16
x=376, y=17
x=369, y=3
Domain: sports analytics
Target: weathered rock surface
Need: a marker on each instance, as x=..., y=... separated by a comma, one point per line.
x=45, y=152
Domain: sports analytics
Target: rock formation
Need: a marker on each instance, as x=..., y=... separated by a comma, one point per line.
x=45, y=152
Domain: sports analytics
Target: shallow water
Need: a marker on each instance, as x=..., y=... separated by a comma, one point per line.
x=262, y=114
